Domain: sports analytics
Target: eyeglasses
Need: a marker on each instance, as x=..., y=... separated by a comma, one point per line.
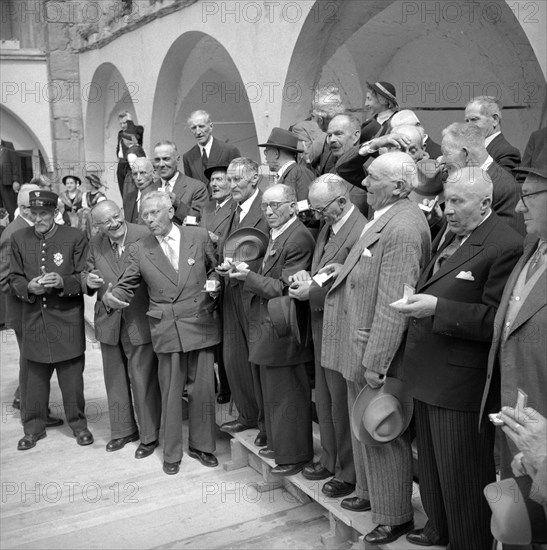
x=319, y=211
x=152, y=213
x=111, y=221
x=273, y=205
x=522, y=195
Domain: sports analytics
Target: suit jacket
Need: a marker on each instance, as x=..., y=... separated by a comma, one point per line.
x=360, y=330
x=335, y=251
x=182, y=318
x=12, y=307
x=505, y=196
x=139, y=130
x=432, y=148
x=291, y=252
x=504, y=153
x=130, y=208
x=102, y=258
x=299, y=178
x=221, y=154
x=53, y=323
x=218, y=222
x=192, y=196
x=521, y=357
x=457, y=338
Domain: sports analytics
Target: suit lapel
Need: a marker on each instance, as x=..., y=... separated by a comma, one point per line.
x=220, y=217
x=186, y=259
x=108, y=254
x=156, y=256
x=277, y=247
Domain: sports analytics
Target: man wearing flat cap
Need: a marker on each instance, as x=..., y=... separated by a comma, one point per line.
x=46, y=264
x=381, y=102
x=280, y=152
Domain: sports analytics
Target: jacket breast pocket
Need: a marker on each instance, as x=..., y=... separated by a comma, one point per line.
x=155, y=314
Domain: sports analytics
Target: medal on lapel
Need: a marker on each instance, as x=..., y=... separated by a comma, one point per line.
x=191, y=261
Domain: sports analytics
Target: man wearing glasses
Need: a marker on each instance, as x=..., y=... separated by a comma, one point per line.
x=343, y=225
x=175, y=263
x=283, y=378
x=130, y=365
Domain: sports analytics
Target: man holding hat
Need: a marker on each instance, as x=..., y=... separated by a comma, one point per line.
x=46, y=267
x=280, y=153
x=381, y=102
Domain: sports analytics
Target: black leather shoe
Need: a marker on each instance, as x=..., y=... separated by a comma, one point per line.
x=171, y=468
x=84, y=437
x=207, y=459
x=261, y=440
x=417, y=536
x=145, y=450
x=383, y=534
x=120, y=442
x=336, y=488
x=52, y=422
x=223, y=398
x=315, y=471
x=356, y=504
x=235, y=426
x=288, y=469
x=29, y=441
x=266, y=453
x=16, y=403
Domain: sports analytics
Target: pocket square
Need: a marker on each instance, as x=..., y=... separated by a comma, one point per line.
x=367, y=253
x=465, y=275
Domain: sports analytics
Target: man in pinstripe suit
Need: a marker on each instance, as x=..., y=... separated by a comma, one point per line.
x=362, y=333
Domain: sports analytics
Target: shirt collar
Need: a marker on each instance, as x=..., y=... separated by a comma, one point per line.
x=221, y=204
x=384, y=115
x=246, y=206
x=336, y=226
x=487, y=163
x=25, y=219
x=207, y=147
x=491, y=138
x=283, y=169
x=120, y=242
x=274, y=233
x=171, y=182
x=47, y=235
x=174, y=234
x=378, y=213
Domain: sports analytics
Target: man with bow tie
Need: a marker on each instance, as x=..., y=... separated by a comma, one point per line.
x=175, y=263
x=281, y=358
x=329, y=197
x=451, y=325
x=130, y=365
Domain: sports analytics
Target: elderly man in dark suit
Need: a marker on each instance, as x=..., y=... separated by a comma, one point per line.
x=45, y=274
x=188, y=195
x=485, y=112
x=129, y=135
x=142, y=170
x=284, y=381
x=208, y=150
x=242, y=175
x=451, y=323
x=175, y=262
x=342, y=228
x=362, y=333
x=130, y=365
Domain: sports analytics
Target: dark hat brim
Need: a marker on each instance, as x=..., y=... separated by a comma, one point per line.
x=75, y=178
x=282, y=311
x=209, y=171
x=280, y=146
x=383, y=92
x=246, y=244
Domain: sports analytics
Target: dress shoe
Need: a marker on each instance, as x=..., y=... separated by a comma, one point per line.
x=235, y=426
x=119, y=443
x=261, y=440
x=383, y=534
x=29, y=441
x=84, y=437
x=52, y=422
x=223, y=398
x=356, y=504
x=16, y=404
x=171, y=468
x=335, y=488
x=145, y=450
x=207, y=459
x=417, y=536
x=266, y=453
x=288, y=469
x=315, y=471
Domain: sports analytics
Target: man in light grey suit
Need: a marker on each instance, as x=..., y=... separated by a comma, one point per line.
x=362, y=333
x=329, y=197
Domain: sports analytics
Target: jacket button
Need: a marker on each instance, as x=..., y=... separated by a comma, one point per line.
x=414, y=322
x=195, y=299
x=44, y=299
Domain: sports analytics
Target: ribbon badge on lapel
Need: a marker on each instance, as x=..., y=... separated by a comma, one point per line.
x=58, y=259
x=191, y=261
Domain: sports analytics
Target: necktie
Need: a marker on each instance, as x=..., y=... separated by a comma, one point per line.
x=536, y=261
x=217, y=208
x=237, y=216
x=170, y=253
x=204, y=158
x=268, y=252
x=447, y=251
x=117, y=249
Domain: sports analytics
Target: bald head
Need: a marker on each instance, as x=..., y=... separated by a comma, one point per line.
x=108, y=218
x=329, y=198
x=406, y=116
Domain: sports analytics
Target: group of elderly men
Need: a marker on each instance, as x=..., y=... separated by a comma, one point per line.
x=161, y=290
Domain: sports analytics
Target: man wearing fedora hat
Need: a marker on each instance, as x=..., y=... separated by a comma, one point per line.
x=46, y=266
x=280, y=152
x=381, y=102
x=361, y=333
x=343, y=225
x=208, y=150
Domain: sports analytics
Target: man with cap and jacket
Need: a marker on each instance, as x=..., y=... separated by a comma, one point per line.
x=280, y=152
x=381, y=102
x=46, y=266
x=343, y=225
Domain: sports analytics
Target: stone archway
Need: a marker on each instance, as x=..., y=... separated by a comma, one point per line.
x=198, y=73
